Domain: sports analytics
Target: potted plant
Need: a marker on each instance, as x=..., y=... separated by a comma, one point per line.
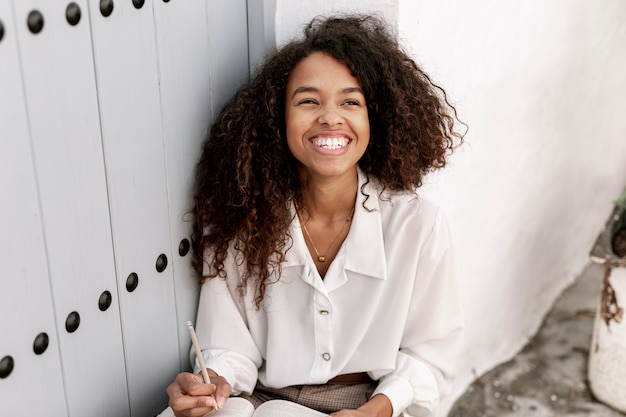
x=607, y=356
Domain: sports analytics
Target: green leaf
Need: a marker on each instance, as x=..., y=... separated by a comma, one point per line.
x=621, y=200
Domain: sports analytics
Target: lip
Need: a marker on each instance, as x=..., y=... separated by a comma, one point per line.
x=334, y=139
x=331, y=133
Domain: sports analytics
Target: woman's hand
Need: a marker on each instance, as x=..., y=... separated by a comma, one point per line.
x=378, y=406
x=352, y=413
x=191, y=397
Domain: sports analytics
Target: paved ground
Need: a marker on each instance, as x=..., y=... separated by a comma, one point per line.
x=548, y=378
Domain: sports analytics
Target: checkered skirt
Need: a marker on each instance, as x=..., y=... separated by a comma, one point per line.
x=326, y=398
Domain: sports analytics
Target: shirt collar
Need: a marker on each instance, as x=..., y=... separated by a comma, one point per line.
x=364, y=246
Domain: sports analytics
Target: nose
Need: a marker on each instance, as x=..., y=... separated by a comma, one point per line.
x=330, y=116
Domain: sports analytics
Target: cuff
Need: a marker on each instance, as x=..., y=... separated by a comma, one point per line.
x=220, y=367
x=241, y=376
x=398, y=390
x=404, y=398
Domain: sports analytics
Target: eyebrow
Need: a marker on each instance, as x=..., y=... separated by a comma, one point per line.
x=307, y=89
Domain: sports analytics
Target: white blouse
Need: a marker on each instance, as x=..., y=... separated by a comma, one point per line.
x=389, y=306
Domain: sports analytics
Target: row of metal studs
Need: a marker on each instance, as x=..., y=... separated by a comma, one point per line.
x=35, y=19
x=40, y=345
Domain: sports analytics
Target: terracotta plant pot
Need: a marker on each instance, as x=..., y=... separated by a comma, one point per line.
x=607, y=356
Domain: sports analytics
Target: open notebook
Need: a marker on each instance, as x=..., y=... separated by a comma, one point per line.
x=239, y=407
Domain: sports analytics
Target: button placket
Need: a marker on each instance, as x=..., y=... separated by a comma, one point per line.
x=323, y=335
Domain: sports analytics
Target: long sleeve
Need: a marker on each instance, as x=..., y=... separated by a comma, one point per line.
x=425, y=364
x=227, y=345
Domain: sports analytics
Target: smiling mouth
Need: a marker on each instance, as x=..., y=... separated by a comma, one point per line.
x=331, y=142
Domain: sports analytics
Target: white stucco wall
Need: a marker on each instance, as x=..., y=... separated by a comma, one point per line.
x=542, y=86
x=293, y=15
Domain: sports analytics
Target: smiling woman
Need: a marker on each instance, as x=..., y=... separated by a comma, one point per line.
x=327, y=131
x=327, y=126
x=327, y=278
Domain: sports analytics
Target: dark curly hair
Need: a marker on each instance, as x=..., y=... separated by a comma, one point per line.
x=247, y=176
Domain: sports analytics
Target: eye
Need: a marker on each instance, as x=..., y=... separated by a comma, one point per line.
x=351, y=102
x=307, y=101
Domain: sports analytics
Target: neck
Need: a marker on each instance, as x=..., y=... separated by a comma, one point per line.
x=330, y=199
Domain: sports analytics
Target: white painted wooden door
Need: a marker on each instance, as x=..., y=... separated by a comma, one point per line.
x=26, y=309
x=103, y=105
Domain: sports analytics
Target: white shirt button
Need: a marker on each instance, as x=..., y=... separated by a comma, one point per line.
x=326, y=356
x=324, y=312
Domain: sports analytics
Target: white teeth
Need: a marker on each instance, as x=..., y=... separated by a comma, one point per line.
x=330, y=143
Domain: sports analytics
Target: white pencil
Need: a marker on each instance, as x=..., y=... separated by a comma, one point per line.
x=196, y=345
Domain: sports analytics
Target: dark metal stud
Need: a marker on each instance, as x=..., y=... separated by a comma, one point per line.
x=161, y=263
x=72, y=322
x=138, y=4
x=41, y=343
x=106, y=7
x=1, y=30
x=6, y=366
x=35, y=21
x=104, y=302
x=131, y=282
x=183, y=247
x=166, y=1
x=72, y=14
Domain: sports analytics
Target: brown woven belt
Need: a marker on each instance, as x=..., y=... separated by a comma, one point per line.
x=351, y=379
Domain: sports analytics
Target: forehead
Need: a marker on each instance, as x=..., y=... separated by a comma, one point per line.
x=321, y=70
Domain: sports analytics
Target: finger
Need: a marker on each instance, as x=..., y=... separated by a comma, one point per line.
x=191, y=406
x=189, y=396
x=222, y=393
x=346, y=413
x=196, y=412
x=192, y=384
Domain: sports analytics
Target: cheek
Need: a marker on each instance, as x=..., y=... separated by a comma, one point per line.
x=364, y=145
x=292, y=121
x=295, y=127
x=365, y=128
x=365, y=134
x=292, y=135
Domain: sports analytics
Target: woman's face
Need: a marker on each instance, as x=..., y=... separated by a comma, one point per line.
x=326, y=118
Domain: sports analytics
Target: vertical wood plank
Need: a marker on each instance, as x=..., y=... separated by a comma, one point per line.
x=60, y=94
x=195, y=78
x=183, y=60
x=128, y=90
x=26, y=308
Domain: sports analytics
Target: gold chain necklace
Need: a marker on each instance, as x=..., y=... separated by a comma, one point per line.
x=322, y=258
